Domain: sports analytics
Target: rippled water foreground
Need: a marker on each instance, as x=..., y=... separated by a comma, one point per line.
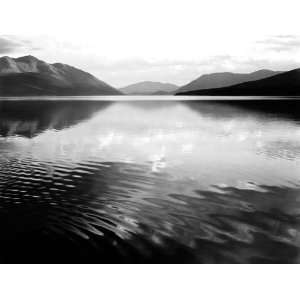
x=194, y=181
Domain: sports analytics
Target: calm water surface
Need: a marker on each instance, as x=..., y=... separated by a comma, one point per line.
x=151, y=181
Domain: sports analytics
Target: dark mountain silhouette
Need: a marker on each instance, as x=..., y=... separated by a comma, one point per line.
x=284, y=84
x=217, y=80
x=149, y=88
x=28, y=76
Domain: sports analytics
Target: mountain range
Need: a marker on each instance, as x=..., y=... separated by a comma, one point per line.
x=28, y=76
x=283, y=84
x=149, y=88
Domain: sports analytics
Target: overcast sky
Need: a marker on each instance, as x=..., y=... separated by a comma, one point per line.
x=125, y=41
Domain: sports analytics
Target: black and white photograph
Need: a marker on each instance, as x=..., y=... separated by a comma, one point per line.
x=150, y=132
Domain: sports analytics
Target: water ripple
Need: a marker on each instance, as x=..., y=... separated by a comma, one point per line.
x=157, y=194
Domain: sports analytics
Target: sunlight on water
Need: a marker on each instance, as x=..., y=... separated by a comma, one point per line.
x=149, y=181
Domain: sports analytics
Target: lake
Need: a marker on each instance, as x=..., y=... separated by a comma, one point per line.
x=188, y=180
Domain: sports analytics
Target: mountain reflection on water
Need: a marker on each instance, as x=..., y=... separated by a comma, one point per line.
x=199, y=181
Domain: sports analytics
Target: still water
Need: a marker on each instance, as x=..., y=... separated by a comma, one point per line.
x=150, y=181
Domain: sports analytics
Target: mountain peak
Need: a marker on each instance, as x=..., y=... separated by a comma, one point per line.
x=264, y=71
x=5, y=58
x=27, y=58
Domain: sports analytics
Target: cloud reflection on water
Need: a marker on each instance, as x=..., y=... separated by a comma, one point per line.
x=151, y=182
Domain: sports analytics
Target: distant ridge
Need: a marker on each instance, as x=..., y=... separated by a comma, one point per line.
x=28, y=76
x=216, y=80
x=149, y=88
x=283, y=84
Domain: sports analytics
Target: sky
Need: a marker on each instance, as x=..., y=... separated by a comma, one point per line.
x=126, y=41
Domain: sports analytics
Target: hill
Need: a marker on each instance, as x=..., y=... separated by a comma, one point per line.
x=149, y=88
x=217, y=80
x=28, y=76
x=283, y=84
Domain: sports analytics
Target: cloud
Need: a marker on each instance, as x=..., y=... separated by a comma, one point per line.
x=281, y=42
x=139, y=65
x=10, y=44
x=180, y=71
x=119, y=68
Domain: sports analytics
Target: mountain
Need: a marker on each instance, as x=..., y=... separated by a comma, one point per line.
x=28, y=76
x=149, y=88
x=216, y=80
x=283, y=84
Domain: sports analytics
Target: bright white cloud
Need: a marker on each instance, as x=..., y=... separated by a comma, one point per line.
x=125, y=41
